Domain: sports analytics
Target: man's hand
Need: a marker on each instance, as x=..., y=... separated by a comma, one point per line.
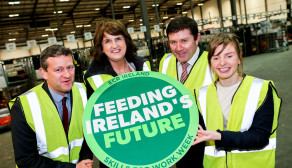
x=85, y=164
x=203, y=135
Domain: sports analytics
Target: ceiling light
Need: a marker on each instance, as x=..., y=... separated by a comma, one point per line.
x=154, y=5
x=200, y=4
x=14, y=3
x=97, y=9
x=165, y=17
x=13, y=15
x=185, y=12
x=131, y=20
x=13, y=39
x=87, y=25
x=141, y=24
x=72, y=32
x=45, y=35
x=126, y=7
x=58, y=12
x=64, y=0
x=79, y=26
x=179, y=3
x=55, y=29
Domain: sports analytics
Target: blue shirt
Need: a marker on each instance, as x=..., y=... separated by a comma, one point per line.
x=58, y=101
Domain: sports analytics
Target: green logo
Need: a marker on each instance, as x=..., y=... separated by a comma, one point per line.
x=140, y=119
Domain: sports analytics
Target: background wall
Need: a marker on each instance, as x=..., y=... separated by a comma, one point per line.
x=20, y=52
x=254, y=8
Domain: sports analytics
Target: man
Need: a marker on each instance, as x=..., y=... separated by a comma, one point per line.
x=47, y=120
x=188, y=64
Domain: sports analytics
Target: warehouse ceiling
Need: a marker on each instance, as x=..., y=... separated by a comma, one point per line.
x=23, y=20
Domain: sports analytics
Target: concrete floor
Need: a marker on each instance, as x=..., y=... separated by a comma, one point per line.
x=273, y=66
x=276, y=67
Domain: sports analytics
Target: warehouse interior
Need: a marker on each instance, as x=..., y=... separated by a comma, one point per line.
x=27, y=27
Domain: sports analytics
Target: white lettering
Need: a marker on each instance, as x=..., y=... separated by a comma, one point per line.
x=110, y=107
x=132, y=104
x=172, y=92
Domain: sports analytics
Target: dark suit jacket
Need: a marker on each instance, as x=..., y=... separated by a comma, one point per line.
x=25, y=143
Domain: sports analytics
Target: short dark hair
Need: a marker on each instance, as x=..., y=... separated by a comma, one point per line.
x=181, y=23
x=53, y=51
x=112, y=27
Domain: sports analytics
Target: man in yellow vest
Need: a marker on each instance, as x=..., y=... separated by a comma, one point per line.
x=188, y=64
x=47, y=120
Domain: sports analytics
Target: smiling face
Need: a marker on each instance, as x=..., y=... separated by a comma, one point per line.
x=59, y=74
x=114, y=46
x=183, y=45
x=225, y=63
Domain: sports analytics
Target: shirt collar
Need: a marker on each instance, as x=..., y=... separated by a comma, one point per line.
x=58, y=97
x=194, y=57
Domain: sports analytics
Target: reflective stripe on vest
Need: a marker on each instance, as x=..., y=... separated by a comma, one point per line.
x=40, y=129
x=35, y=109
x=64, y=150
x=82, y=93
x=208, y=76
x=76, y=142
x=203, y=100
x=75, y=161
x=212, y=151
x=58, y=152
x=249, y=112
x=165, y=63
x=251, y=104
x=97, y=80
x=145, y=67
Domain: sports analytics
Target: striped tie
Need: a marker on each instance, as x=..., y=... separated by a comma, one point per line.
x=184, y=73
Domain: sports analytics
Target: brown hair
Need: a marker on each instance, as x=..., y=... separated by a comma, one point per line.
x=112, y=27
x=225, y=39
x=181, y=23
x=53, y=51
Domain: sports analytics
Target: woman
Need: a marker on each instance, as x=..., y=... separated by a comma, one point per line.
x=240, y=111
x=114, y=54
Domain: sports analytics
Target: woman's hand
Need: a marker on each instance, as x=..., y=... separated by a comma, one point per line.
x=203, y=135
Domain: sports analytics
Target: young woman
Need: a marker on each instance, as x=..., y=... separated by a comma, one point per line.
x=114, y=54
x=240, y=111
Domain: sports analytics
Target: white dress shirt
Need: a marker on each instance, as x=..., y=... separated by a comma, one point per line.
x=191, y=62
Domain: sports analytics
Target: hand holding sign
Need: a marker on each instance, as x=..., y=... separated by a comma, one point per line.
x=140, y=119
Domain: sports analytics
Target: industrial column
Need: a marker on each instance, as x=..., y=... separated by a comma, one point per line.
x=113, y=9
x=145, y=18
x=219, y=3
x=59, y=25
x=233, y=12
x=192, y=9
x=289, y=18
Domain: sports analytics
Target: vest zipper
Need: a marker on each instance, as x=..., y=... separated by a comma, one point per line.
x=226, y=159
x=68, y=147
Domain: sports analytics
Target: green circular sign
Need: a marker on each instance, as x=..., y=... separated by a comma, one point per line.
x=140, y=119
